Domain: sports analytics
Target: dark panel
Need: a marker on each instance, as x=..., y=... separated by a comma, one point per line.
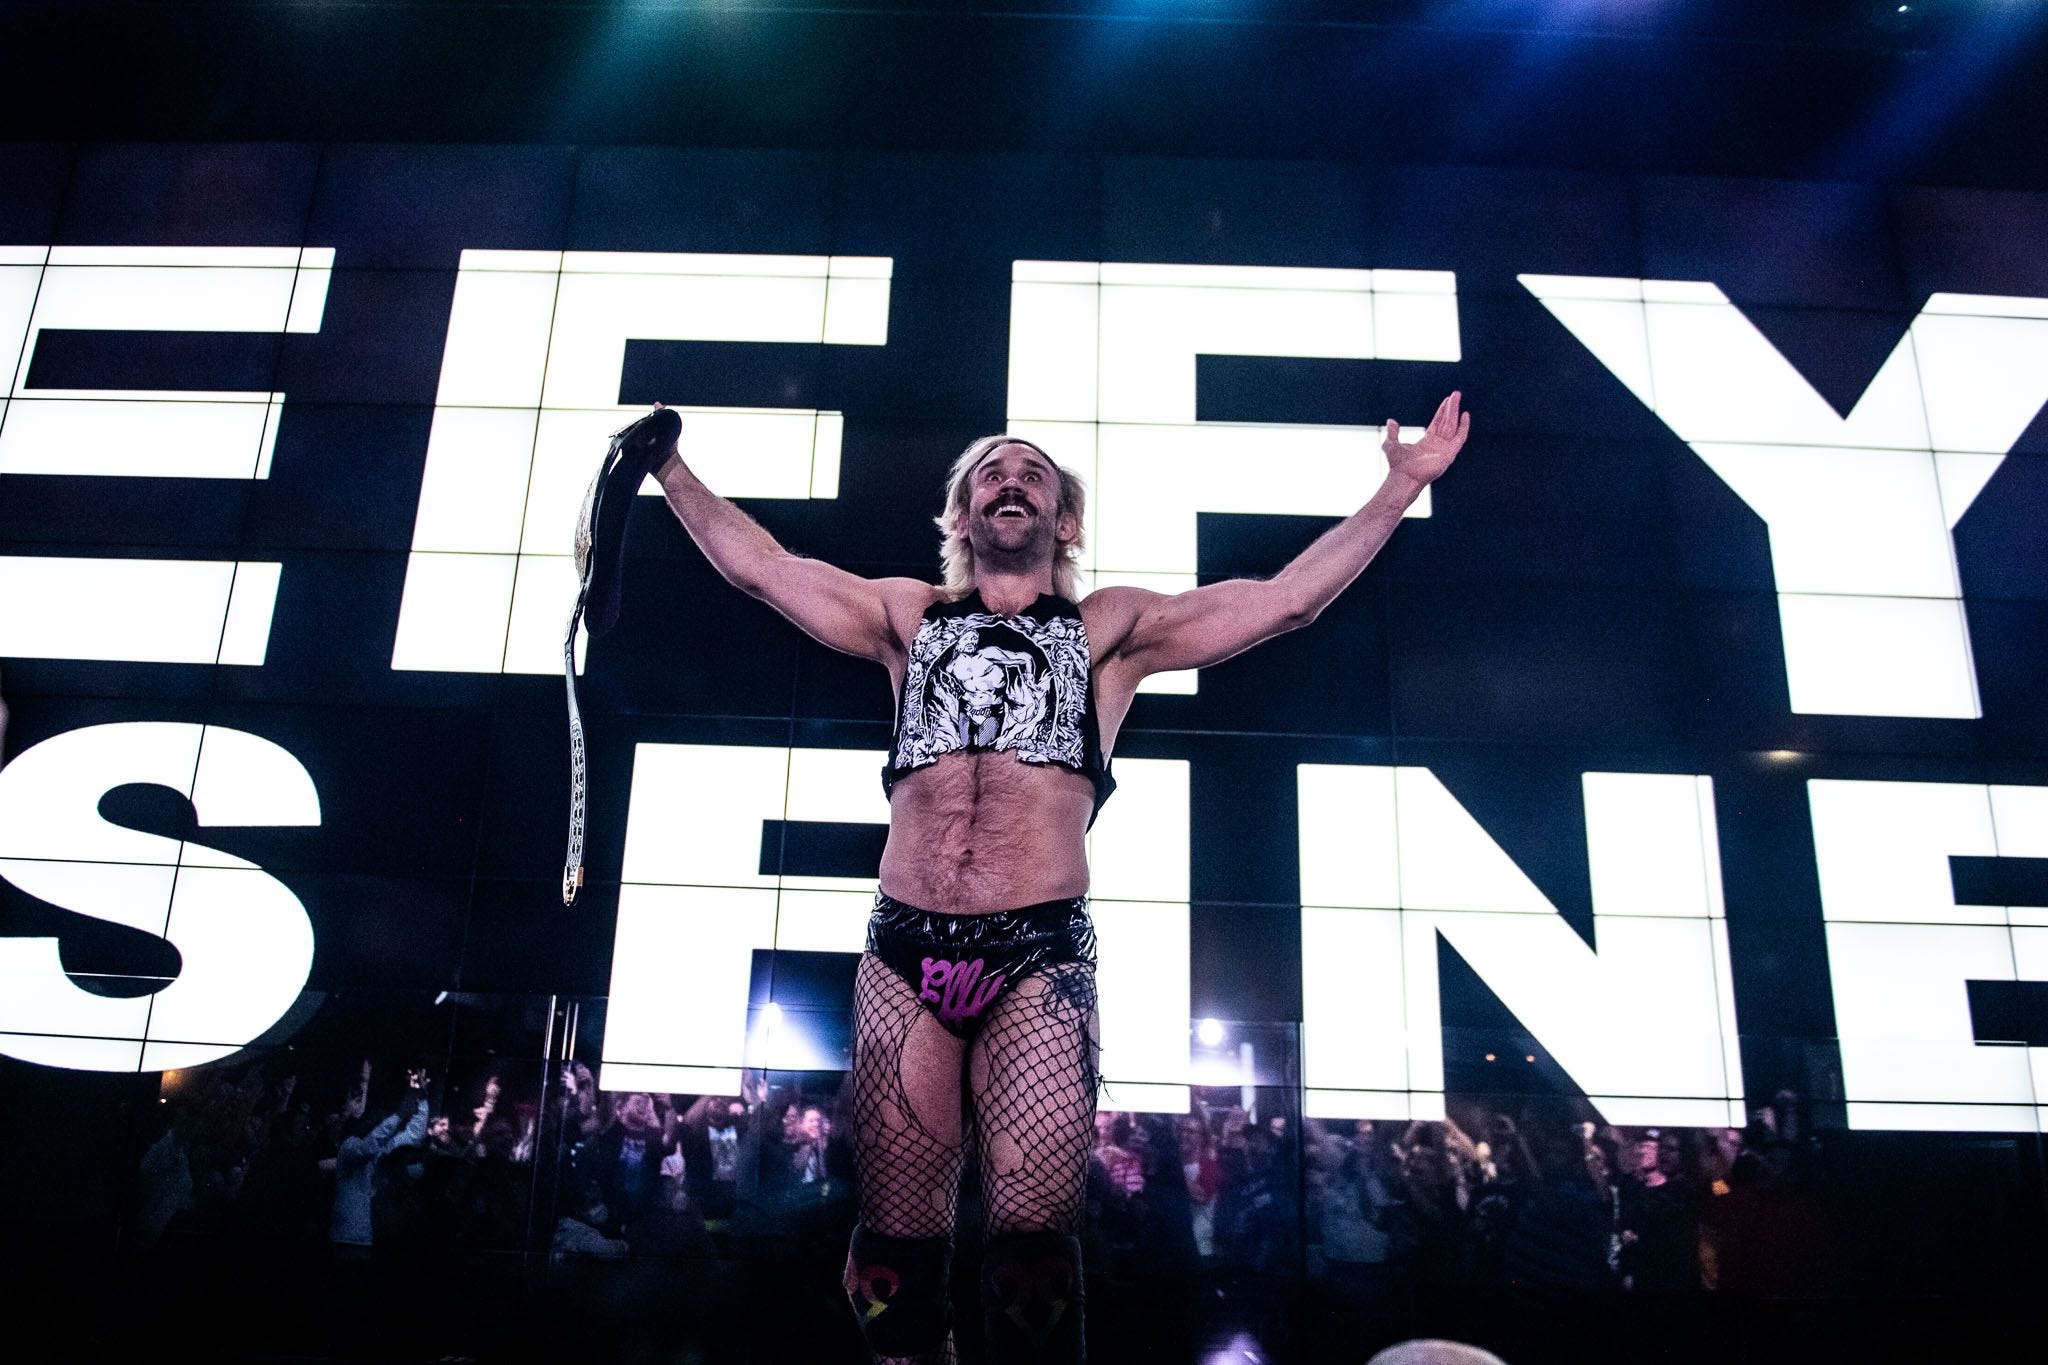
x=2009, y=645
x=401, y=933
x=400, y=789
x=948, y=352
x=819, y=985
x=2009, y=1012
x=1733, y=682
x=342, y=1033
x=1239, y=213
x=839, y=687
x=76, y=511
x=1998, y=541
x=1492, y=223
x=420, y=207
x=815, y=848
x=198, y=194
x=331, y=634
x=32, y=180
x=1330, y=678
x=1244, y=836
x=1810, y=244
x=2000, y=881
x=523, y=939
x=989, y=207
x=342, y=477
x=525, y=815
x=379, y=342
x=1972, y=241
x=1536, y=664
x=1835, y=350
x=1715, y=540
x=1777, y=945
x=1523, y=372
x=1493, y=1065
x=1242, y=388
x=1544, y=510
x=686, y=643
x=701, y=199
x=757, y=374
x=892, y=478
x=66, y=359
x=1245, y=962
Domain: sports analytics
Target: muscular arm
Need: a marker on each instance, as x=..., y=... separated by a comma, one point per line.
x=836, y=608
x=1208, y=625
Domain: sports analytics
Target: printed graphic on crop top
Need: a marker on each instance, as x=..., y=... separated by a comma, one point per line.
x=995, y=682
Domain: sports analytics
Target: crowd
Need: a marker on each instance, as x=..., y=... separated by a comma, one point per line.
x=394, y=1169
x=347, y=1184
x=1552, y=1202
x=400, y=1165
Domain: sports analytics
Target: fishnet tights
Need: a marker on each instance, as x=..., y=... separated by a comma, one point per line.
x=1026, y=1084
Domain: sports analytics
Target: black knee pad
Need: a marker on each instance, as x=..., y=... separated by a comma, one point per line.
x=1031, y=1298
x=898, y=1289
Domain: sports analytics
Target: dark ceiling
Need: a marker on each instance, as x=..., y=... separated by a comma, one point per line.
x=1949, y=92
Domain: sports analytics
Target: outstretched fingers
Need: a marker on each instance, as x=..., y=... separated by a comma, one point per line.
x=1446, y=421
x=1448, y=427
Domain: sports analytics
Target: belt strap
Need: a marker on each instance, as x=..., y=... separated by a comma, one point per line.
x=572, y=863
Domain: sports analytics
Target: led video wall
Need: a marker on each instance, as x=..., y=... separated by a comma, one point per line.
x=1691, y=726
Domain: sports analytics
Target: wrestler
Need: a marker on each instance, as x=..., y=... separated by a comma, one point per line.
x=974, y=1006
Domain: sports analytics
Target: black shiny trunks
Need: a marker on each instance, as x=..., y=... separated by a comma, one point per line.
x=960, y=965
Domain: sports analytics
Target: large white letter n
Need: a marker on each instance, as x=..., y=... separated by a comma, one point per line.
x=1859, y=507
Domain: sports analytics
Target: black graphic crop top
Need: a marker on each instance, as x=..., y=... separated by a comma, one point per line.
x=976, y=681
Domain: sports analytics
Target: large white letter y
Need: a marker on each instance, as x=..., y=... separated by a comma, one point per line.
x=1859, y=507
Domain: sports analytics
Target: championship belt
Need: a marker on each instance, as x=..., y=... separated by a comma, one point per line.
x=601, y=564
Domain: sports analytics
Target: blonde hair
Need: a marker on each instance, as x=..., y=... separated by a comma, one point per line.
x=957, y=555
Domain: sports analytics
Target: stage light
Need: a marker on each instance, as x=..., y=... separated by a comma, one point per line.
x=1242, y=1348
x=1209, y=1032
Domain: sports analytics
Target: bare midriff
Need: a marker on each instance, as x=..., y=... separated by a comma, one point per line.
x=979, y=832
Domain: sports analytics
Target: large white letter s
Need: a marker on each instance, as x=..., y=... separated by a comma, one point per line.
x=246, y=941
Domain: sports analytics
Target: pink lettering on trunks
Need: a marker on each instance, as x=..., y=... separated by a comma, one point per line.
x=957, y=988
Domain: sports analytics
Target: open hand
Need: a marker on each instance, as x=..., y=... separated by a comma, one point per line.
x=1426, y=459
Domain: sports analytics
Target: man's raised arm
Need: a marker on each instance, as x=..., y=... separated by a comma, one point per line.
x=1208, y=625
x=836, y=608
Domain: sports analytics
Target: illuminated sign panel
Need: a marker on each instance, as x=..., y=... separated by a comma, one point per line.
x=1391, y=863
x=1683, y=654
x=1102, y=370
x=243, y=938
x=143, y=609
x=1900, y=949
x=695, y=907
x=530, y=385
x=1860, y=505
